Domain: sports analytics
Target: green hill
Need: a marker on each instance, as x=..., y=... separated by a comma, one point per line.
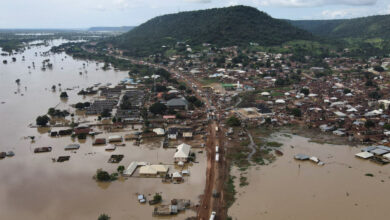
x=238, y=25
x=365, y=27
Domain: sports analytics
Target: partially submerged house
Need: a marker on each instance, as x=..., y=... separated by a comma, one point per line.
x=153, y=170
x=182, y=153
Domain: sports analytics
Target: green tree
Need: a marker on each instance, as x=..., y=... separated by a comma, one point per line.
x=51, y=112
x=102, y=175
x=369, y=124
x=104, y=217
x=64, y=95
x=305, y=91
x=158, y=108
x=157, y=197
x=79, y=105
x=120, y=169
x=106, y=113
x=379, y=69
x=296, y=112
x=42, y=120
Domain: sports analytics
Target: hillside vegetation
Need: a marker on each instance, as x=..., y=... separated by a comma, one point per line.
x=365, y=27
x=231, y=26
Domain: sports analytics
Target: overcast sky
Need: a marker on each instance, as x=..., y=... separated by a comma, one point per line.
x=87, y=13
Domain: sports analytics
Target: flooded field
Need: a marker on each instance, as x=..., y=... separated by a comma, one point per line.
x=33, y=187
x=290, y=189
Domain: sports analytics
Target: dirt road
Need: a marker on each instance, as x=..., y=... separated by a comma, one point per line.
x=217, y=171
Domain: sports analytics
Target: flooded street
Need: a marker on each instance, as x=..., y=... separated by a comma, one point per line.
x=33, y=187
x=290, y=189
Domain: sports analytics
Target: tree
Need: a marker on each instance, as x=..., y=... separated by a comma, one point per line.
x=63, y=95
x=375, y=95
x=296, y=112
x=120, y=169
x=182, y=87
x=233, y=121
x=369, y=124
x=305, y=91
x=346, y=91
x=106, y=113
x=42, y=120
x=126, y=104
x=102, y=175
x=17, y=81
x=79, y=105
x=379, y=69
x=157, y=197
x=104, y=217
x=51, y=112
x=158, y=108
x=386, y=127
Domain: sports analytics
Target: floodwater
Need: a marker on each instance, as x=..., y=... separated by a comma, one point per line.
x=33, y=187
x=289, y=189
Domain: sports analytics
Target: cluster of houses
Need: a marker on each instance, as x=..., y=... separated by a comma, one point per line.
x=342, y=95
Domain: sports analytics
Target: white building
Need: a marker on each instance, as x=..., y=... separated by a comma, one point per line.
x=182, y=153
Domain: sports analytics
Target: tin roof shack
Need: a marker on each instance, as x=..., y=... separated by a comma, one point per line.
x=98, y=106
x=82, y=130
x=164, y=210
x=130, y=105
x=175, y=132
x=112, y=91
x=153, y=170
x=182, y=153
x=99, y=141
x=177, y=104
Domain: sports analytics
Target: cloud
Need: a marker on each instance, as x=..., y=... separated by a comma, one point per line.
x=346, y=13
x=385, y=11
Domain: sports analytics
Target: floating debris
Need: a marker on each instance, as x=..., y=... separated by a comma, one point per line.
x=63, y=159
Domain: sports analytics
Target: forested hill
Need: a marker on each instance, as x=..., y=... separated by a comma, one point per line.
x=365, y=27
x=237, y=25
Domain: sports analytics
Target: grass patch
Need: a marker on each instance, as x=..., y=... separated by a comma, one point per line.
x=274, y=144
x=243, y=181
x=230, y=191
x=207, y=81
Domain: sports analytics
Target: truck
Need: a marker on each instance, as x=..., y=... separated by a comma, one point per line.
x=216, y=128
x=213, y=214
x=217, y=149
x=217, y=157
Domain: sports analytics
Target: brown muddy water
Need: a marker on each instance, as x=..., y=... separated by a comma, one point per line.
x=290, y=189
x=33, y=187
